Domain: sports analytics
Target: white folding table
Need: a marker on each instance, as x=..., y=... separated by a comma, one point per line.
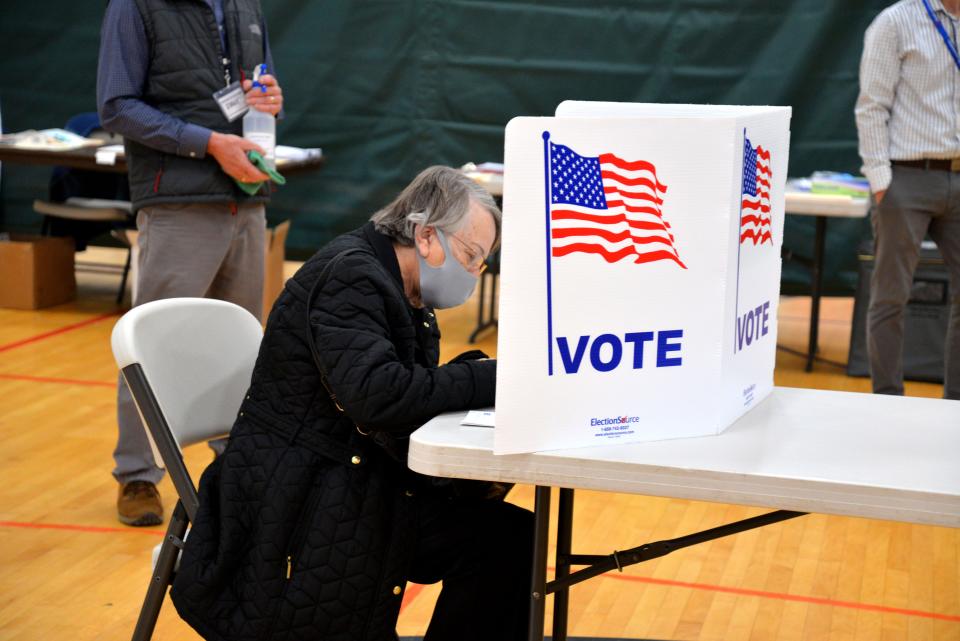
x=822, y=207
x=798, y=451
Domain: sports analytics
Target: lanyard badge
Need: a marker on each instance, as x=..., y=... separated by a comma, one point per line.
x=232, y=101
x=943, y=33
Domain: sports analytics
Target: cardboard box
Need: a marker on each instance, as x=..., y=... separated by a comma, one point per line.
x=641, y=272
x=273, y=256
x=36, y=271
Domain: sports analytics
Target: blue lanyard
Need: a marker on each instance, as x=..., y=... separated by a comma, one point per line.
x=943, y=33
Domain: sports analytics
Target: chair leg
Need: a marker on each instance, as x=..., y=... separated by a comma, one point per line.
x=162, y=575
x=123, y=278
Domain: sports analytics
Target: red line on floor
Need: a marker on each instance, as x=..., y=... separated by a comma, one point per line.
x=414, y=589
x=57, y=332
x=80, y=528
x=786, y=597
x=65, y=381
x=412, y=592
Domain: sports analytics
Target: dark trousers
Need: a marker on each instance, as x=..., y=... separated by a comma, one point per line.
x=483, y=553
x=918, y=202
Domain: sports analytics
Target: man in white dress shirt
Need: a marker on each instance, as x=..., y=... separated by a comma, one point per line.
x=908, y=120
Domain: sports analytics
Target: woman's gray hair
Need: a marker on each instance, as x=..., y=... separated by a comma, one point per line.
x=438, y=197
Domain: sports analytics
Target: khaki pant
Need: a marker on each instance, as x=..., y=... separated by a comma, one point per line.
x=918, y=202
x=188, y=250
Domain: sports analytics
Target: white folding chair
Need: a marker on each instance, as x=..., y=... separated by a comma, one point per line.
x=94, y=210
x=188, y=363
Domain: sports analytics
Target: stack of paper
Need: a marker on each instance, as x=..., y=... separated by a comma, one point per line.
x=48, y=140
x=839, y=184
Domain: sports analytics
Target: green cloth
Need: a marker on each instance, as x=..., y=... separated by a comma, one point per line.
x=260, y=163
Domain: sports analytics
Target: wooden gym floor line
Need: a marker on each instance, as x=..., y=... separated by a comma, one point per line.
x=414, y=589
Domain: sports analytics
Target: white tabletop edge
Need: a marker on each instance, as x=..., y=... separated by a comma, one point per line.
x=443, y=448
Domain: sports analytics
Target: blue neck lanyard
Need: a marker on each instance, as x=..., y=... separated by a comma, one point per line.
x=943, y=33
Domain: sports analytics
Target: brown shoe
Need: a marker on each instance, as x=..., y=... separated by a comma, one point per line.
x=138, y=504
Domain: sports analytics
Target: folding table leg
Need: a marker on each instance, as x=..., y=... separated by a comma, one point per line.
x=162, y=575
x=538, y=583
x=123, y=278
x=561, y=598
x=816, y=286
x=481, y=303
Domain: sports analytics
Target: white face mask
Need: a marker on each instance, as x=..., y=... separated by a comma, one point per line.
x=448, y=285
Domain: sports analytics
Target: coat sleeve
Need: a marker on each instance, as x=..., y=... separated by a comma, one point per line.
x=350, y=320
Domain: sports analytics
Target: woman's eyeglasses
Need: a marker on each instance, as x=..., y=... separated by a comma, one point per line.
x=473, y=259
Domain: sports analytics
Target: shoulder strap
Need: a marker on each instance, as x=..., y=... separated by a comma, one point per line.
x=311, y=341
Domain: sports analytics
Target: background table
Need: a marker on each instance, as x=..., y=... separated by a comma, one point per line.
x=881, y=457
x=489, y=279
x=822, y=207
x=85, y=158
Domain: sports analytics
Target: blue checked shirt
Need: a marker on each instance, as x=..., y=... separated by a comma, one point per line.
x=909, y=103
x=122, y=73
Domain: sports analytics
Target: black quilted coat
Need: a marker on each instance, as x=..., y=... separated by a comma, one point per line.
x=303, y=527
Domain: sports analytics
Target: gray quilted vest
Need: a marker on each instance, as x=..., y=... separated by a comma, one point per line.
x=186, y=68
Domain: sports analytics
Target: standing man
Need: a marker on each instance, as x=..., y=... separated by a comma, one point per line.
x=908, y=119
x=173, y=79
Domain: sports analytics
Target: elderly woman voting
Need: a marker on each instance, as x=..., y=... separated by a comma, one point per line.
x=310, y=523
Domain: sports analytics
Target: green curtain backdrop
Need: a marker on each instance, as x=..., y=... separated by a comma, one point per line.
x=387, y=87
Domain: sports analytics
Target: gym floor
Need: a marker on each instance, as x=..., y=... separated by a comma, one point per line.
x=70, y=570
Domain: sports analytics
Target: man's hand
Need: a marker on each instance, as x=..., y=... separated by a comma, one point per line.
x=231, y=152
x=269, y=101
x=878, y=195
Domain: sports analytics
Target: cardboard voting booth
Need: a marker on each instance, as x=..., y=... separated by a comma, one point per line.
x=641, y=272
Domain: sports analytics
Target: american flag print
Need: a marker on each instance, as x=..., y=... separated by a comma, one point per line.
x=608, y=206
x=755, y=201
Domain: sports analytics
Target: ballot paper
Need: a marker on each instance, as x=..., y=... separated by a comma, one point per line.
x=479, y=418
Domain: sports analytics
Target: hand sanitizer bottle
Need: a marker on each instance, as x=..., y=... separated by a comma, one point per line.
x=259, y=126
